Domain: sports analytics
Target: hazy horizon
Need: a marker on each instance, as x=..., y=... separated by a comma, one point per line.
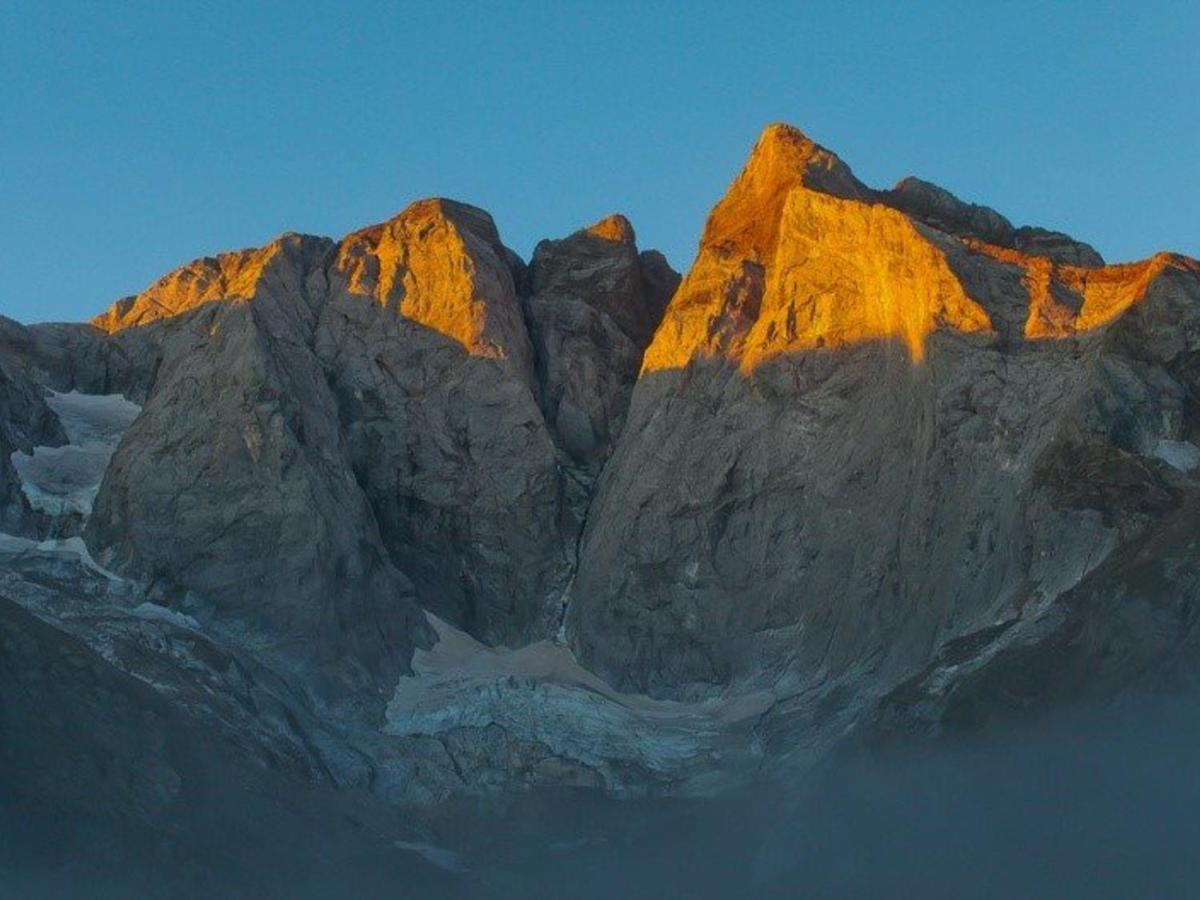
x=145, y=140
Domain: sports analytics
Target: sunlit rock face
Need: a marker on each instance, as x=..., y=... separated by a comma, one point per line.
x=720, y=295
x=338, y=433
x=229, y=276
x=424, y=340
x=441, y=265
x=858, y=436
x=876, y=458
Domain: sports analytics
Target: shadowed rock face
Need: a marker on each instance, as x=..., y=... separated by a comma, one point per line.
x=425, y=343
x=25, y=422
x=71, y=356
x=111, y=786
x=875, y=458
x=235, y=484
x=336, y=434
x=594, y=305
x=940, y=209
x=856, y=437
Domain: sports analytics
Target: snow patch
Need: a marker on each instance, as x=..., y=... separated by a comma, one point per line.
x=93, y=418
x=61, y=481
x=541, y=693
x=162, y=614
x=72, y=549
x=1180, y=455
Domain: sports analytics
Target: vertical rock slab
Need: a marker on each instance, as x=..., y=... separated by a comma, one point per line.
x=235, y=484
x=594, y=305
x=847, y=447
x=428, y=355
x=25, y=422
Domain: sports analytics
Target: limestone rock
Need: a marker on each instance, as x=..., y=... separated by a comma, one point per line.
x=440, y=265
x=370, y=411
x=878, y=457
x=118, y=783
x=594, y=305
x=70, y=356
x=234, y=483
x=426, y=350
x=836, y=457
x=25, y=422
x=229, y=276
x=939, y=208
x=718, y=298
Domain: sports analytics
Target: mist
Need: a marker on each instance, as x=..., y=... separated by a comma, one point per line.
x=1099, y=803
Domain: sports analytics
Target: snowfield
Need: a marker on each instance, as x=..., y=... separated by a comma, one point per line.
x=61, y=481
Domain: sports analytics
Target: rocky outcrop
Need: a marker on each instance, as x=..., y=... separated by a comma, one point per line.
x=69, y=356
x=424, y=343
x=227, y=277
x=1127, y=629
x=143, y=761
x=15, y=515
x=354, y=428
x=25, y=422
x=937, y=207
x=235, y=484
x=594, y=305
x=835, y=458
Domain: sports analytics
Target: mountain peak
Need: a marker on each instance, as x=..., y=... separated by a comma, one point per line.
x=781, y=134
x=615, y=228
x=463, y=217
x=783, y=158
x=234, y=275
x=939, y=208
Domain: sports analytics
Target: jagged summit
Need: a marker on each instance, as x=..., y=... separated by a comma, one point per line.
x=438, y=262
x=783, y=158
x=893, y=395
x=234, y=275
x=745, y=225
x=879, y=457
x=441, y=264
x=613, y=228
x=937, y=207
x=405, y=417
x=800, y=255
x=463, y=216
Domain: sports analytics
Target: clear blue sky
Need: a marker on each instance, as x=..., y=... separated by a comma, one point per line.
x=134, y=137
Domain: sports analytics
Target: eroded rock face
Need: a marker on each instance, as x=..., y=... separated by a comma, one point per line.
x=939, y=208
x=229, y=276
x=71, y=356
x=234, y=483
x=334, y=433
x=594, y=306
x=427, y=353
x=25, y=422
x=837, y=455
